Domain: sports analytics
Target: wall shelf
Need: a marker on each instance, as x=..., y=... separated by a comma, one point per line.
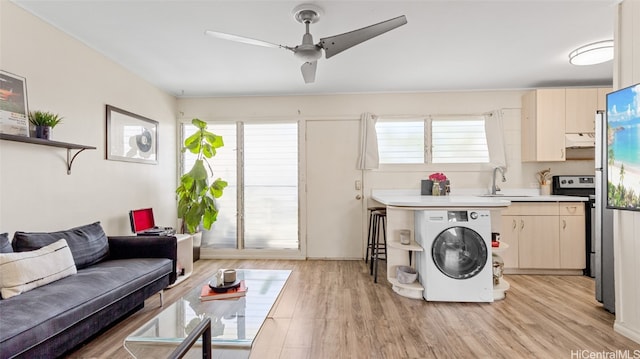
x=43, y=142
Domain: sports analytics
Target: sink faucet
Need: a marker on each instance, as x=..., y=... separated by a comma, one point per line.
x=494, y=187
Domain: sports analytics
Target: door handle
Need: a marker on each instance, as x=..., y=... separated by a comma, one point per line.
x=358, y=197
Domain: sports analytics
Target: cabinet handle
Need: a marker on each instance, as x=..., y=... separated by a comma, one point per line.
x=562, y=153
x=564, y=224
x=571, y=209
x=514, y=224
x=521, y=224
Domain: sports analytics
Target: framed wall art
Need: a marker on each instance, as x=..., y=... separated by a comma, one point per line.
x=130, y=137
x=14, y=112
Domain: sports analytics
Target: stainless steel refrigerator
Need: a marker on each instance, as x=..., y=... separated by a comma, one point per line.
x=605, y=290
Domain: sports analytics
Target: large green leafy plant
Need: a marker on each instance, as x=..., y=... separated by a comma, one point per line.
x=196, y=197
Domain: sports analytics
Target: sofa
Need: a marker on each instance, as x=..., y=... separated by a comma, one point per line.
x=60, y=289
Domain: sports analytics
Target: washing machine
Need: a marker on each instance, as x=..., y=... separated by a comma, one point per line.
x=456, y=264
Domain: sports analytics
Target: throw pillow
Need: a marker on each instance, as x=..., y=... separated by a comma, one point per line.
x=88, y=243
x=24, y=271
x=5, y=245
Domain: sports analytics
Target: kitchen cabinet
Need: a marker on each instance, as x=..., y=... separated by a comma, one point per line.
x=510, y=234
x=602, y=97
x=535, y=229
x=543, y=125
x=581, y=106
x=572, y=236
x=549, y=114
x=546, y=236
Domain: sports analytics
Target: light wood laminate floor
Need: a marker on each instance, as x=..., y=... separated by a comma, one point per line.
x=332, y=309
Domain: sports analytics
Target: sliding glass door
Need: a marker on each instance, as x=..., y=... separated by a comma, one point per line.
x=259, y=208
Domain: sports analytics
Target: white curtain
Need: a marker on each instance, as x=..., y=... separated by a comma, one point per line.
x=368, y=158
x=494, y=130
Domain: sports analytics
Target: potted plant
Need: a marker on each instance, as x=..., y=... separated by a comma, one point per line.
x=44, y=122
x=196, y=196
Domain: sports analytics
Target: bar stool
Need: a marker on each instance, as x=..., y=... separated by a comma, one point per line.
x=378, y=249
x=371, y=234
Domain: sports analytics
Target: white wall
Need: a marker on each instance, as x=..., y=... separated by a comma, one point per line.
x=626, y=235
x=66, y=77
x=519, y=175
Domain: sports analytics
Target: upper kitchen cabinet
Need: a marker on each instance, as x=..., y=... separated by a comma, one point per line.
x=602, y=97
x=543, y=125
x=581, y=106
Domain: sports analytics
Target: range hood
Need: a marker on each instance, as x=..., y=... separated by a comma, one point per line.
x=580, y=140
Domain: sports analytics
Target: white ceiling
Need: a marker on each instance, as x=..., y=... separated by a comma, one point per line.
x=450, y=45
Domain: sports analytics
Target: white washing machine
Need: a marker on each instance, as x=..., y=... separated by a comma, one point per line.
x=456, y=264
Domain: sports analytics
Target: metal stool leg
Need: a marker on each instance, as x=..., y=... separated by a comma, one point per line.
x=374, y=236
x=369, y=236
x=380, y=248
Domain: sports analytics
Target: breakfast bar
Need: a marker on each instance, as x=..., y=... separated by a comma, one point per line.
x=402, y=206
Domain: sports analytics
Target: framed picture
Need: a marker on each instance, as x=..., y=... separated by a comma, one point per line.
x=14, y=112
x=131, y=138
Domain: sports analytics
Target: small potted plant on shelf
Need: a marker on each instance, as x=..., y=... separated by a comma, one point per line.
x=44, y=122
x=196, y=195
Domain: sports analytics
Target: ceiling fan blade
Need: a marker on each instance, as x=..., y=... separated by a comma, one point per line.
x=309, y=71
x=336, y=44
x=245, y=40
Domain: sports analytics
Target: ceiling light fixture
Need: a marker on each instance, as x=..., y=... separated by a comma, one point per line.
x=591, y=54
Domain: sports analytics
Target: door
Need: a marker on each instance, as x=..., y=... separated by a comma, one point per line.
x=509, y=235
x=334, y=190
x=539, y=242
x=572, y=242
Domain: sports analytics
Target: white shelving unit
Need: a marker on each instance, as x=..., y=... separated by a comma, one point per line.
x=502, y=286
x=185, y=258
x=398, y=254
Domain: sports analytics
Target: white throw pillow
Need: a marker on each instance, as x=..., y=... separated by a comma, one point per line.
x=23, y=271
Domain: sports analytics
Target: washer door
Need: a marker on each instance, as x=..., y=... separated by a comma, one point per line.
x=459, y=252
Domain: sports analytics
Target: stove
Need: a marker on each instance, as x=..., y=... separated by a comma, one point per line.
x=581, y=186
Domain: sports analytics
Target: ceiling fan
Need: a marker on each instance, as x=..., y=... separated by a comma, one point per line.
x=308, y=51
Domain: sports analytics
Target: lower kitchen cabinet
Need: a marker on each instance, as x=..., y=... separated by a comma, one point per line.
x=544, y=236
x=539, y=242
x=510, y=235
x=572, y=236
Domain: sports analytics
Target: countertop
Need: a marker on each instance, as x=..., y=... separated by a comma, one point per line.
x=467, y=198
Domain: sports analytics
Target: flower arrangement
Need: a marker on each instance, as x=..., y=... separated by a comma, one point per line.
x=437, y=177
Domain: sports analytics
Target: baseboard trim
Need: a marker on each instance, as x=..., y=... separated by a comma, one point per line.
x=626, y=331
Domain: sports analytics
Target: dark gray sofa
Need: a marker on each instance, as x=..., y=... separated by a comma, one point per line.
x=114, y=277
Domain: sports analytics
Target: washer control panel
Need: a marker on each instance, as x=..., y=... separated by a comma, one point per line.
x=456, y=216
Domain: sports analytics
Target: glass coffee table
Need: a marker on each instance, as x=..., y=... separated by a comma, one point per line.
x=234, y=322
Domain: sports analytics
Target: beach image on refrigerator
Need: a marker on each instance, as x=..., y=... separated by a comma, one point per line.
x=623, y=148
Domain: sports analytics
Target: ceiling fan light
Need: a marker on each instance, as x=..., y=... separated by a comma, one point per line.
x=591, y=54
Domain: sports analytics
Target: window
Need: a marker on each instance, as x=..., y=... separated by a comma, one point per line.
x=259, y=208
x=459, y=141
x=450, y=140
x=400, y=141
